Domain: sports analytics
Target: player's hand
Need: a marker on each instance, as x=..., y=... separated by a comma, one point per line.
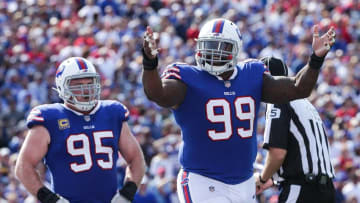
x=260, y=187
x=62, y=200
x=322, y=44
x=149, y=43
x=118, y=198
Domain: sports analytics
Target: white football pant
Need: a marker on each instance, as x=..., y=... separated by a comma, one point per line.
x=192, y=187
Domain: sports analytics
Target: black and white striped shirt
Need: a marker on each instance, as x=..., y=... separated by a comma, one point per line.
x=298, y=128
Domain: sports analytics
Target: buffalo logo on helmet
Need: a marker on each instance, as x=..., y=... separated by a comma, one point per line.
x=59, y=71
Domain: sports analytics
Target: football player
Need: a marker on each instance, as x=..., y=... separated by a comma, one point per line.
x=216, y=105
x=79, y=141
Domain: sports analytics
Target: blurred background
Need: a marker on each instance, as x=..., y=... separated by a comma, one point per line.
x=36, y=35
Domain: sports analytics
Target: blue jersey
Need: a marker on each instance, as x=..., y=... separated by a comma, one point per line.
x=83, y=149
x=218, y=120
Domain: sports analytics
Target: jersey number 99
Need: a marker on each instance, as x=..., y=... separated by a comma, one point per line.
x=225, y=117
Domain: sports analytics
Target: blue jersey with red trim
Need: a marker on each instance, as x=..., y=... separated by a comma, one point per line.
x=83, y=149
x=218, y=120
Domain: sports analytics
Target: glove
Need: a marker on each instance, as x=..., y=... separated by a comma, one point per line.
x=118, y=198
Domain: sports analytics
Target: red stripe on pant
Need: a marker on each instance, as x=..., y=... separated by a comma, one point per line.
x=185, y=187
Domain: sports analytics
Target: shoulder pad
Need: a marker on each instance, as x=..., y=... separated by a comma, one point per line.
x=116, y=106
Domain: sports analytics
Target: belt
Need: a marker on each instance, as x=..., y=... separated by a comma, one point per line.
x=321, y=179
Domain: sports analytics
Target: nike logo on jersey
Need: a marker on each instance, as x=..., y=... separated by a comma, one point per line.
x=229, y=93
x=87, y=127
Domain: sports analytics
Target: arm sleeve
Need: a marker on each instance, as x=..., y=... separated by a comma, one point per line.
x=263, y=68
x=259, y=65
x=124, y=112
x=35, y=117
x=172, y=71
x=277, y=126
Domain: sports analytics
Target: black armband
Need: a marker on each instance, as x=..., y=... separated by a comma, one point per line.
x=46, y=196
x=261, y=180
x=129, y=190
x=149, y=64
x=315, y=61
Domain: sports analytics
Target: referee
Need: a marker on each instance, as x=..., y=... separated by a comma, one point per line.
x=298, y=149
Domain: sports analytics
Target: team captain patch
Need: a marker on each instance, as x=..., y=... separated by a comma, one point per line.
x=63, y=123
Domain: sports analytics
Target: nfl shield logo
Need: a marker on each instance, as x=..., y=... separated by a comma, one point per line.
x=184, y=181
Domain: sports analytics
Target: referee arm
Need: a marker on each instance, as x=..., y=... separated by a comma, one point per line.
x=274, y=160
x=275, y=141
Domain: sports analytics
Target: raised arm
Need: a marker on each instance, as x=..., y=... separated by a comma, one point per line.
x=166, y=92
x=280, y=89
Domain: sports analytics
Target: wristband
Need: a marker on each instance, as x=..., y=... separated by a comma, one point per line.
x=272, y=180
x=149, y=64
x=261, y=180
x=46, y=196
x=316, y=61
x=129, y=190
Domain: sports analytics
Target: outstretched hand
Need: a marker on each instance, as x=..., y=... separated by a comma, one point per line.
x=149, y=43
x=321, y=45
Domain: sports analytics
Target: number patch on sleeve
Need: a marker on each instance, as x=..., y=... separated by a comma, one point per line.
x=274, y=113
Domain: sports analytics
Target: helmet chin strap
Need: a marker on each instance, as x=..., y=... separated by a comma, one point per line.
x=227, y=67
x=81, y=106
x=211, y=69
x=85, y=106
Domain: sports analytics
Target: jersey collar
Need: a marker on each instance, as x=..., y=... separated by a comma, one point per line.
x=234, y=74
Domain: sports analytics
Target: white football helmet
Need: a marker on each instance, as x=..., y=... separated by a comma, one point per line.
x=75, y=68
x=218, y=46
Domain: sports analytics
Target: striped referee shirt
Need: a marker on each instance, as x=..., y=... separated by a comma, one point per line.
x=298, y=128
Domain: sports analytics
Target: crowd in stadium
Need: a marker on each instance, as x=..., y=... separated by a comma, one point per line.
x=36, y=35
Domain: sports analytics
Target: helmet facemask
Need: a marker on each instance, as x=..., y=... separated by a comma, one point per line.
x=218, y=46
x=88, y=92
x=216, y=55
